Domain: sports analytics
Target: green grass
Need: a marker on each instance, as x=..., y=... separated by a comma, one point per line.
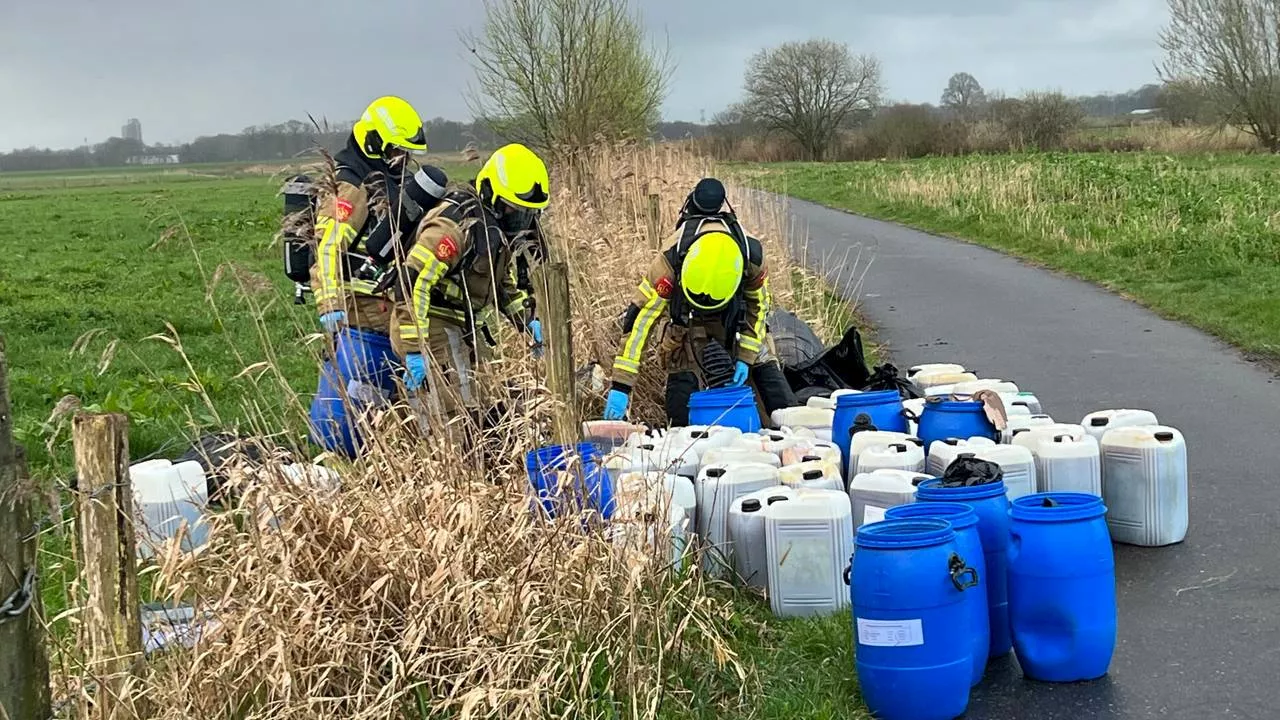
x=123, y=259
x=1193, y=237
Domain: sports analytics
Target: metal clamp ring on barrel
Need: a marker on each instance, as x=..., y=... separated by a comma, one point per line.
x=958, y=570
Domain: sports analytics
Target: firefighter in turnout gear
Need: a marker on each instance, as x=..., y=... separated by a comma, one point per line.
x=369, y=174
x=711, y=285
x=468, y=262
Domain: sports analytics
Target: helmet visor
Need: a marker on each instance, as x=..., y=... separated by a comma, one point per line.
x=536, y=195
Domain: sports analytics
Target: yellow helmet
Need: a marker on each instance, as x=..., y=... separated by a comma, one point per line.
x=711, y=271
x=516, y=175
x=389, y=122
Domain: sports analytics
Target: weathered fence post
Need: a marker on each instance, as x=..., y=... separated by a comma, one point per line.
x=112, y=629
x=24, y=666
x=552, y=282
x=655, y=220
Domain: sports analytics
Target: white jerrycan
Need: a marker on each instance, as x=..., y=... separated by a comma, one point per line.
x=808, y=543
x=1145, y=485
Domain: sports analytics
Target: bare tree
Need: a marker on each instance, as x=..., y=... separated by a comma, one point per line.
x=1232, y=47
x=964, y=96
x=1186, y=102
x=808, y=90
x=562, y=74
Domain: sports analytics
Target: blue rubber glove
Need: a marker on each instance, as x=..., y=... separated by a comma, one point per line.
x=333, y=320
x=535, y=329
x=740, y=374
x=415, y=371
x=615, y=406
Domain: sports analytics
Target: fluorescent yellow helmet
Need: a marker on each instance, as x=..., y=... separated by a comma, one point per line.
x=516, y=175
x=712, y=271
x=389, y=122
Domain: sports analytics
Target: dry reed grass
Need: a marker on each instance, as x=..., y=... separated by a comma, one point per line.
x=424, y=587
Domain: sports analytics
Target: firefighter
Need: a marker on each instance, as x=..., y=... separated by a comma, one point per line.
x=373, y=164
x=711, y=285
x=469, y=259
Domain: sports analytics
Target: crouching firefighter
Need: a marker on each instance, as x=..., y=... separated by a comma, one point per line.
x=711, y=283
x=468, y=261
x=375, y=188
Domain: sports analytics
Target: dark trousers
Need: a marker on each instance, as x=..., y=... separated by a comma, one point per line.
x=770, y=385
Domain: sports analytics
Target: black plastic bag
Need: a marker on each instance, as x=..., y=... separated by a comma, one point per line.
x=886, y=377
x=967, y=471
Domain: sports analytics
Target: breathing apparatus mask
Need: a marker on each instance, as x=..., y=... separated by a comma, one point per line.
x=513, y=219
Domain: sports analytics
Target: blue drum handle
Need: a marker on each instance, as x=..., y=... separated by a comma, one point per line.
x=958, y=570
x=847, y=573
x=906, y=413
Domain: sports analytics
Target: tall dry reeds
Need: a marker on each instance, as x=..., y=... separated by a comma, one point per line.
x=423, y=586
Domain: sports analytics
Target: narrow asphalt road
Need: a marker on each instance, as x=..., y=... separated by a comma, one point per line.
x=1199, y=622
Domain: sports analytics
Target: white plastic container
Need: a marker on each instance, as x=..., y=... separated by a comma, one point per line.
x=644, y=532
x=973, y=386
x=938, y=391
x=1067, y=464
x=872, y=493
x=816, y=474
x=869, y=438
x=723, y=455
x=1098, y=423
x=808, y=450
x=705, y=437
x=773, y=441
x=671, y=455
x=649, y=437
x=1028, y=437
x=915, y=370
x=164, y=497
x=894, y=456
x=926, y=380
x=608, y=435
x=1022, y=422
x=817, y=402
x=1031, y=400
x=1017, y=464
x=1145, y=485
x=943, y=452
x=913, y=408
x=808, y=543
x=647, y=489
x=816, y=419
x=716, y=489
x=746, y=533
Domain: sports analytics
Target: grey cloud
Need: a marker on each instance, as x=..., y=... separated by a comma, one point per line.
x=79, y=69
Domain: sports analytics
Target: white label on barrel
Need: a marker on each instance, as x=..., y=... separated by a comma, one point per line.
x=872, y=513
x=890, y=633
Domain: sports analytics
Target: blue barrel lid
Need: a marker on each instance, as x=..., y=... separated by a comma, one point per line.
x=905, y=534
x=960, y=515
x=1057, y=507
x=967, y=406
x=932, y=489
x=867, y=398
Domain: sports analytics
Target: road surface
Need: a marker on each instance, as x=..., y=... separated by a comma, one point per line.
x=1199, y=622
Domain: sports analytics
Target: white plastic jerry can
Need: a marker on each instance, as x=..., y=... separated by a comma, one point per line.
x=1017, y=465
x=746, y=533
x=817, y=474
x=165, y=496
x=943, y=452
x=1098, y=423
x=808, y=543
x=1067, y=464
x=817, y=419
x=894, y=456
x=871, y=494
x=915, y=370
x=1145, y=485
x=717, y=487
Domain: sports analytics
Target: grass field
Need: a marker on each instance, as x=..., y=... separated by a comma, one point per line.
x=1194, y=237
x=103, y=265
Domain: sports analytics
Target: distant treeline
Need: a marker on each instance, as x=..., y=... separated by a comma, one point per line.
x=294, y=138
x=264, y=143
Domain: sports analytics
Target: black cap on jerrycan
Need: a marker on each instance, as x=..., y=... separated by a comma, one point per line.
x=715, y=472
x=750, y=505
x=1099, y=421
x=812, y=475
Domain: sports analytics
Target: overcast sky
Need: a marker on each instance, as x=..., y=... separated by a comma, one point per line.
x=78, y=69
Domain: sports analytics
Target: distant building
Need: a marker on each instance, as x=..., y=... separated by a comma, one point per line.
x=165, y=159
x=132, y=130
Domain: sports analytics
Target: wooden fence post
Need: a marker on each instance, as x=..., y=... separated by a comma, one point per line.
x=24, y=665
x=655, y=220
x=112, y=628
x=552, y=280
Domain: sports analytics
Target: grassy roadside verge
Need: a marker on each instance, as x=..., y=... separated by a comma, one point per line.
x=104, y=273
x=1192, y=237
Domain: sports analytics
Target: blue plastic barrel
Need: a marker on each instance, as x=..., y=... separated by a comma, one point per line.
x=964, y=521
x=953, y=418
x=728, y=406
x=884, y=407
x=361, y=356
x=992, y=506
x=1062, y=586
x=591, y=480
x=911, y=623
